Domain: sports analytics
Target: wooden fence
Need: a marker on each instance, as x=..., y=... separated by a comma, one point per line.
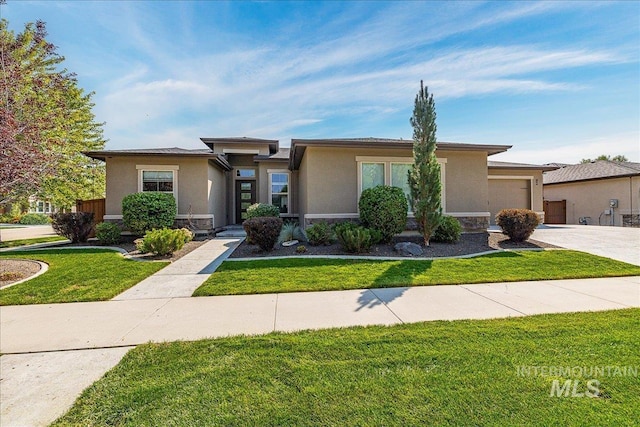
x=95, y=206
x=555, y=212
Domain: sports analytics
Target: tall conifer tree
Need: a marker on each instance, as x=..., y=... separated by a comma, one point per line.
x=424, y=176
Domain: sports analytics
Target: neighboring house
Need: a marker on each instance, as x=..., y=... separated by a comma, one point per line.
x=314, y=180
x=599, y=193
x=40, y=206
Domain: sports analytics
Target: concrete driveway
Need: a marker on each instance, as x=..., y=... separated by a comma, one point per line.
x=620, y=243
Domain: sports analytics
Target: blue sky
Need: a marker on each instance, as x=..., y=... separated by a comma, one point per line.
x=560, y=81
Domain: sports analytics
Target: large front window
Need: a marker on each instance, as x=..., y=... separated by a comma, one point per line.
x=374, y=171
x=279, y=190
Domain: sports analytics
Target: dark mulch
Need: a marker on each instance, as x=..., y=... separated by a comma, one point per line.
x=469, y=243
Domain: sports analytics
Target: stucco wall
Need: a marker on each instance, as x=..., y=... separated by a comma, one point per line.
x=591, y=198
x=122, y=179
x=330, y=177
x=217, y=195
x=262, y=149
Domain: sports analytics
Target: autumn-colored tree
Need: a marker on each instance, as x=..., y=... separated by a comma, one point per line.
x=424, y=176
x=45, y=123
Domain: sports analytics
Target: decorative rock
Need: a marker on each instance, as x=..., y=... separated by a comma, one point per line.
x=408, y=249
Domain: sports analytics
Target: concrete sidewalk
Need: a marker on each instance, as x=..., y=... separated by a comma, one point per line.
x=182, y=277
x=52, y=327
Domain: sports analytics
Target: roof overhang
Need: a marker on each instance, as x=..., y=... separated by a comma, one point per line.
x=273, y=144
x=517, y=166
x=299, y=146
x=217, y=159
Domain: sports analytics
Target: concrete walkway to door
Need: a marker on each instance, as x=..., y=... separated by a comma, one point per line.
x=619, y=243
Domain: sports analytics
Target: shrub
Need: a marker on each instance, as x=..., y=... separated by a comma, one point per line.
x=518, y=224
x=9, y=219
x=320, y=233
x=108, y=233
x=301, y=249
x=448, y=231
x=34, y=219
x=263, y=231
x=353, y=238
x=384, y=209
x=146, y=211
x=291, y=231
x=261, y=210
x=164, y=241
x=76, y=226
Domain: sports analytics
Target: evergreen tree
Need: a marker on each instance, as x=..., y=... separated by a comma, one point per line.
x=45, y=123
x=424, y=176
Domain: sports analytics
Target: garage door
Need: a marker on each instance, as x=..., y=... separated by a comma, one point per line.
x=508, y=194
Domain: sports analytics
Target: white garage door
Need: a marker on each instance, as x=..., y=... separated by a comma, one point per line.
x=508, y=194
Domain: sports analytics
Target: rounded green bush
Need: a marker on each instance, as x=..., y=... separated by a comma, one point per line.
x=164, y=241
x=448, y=231
x=320, y=233
x=518, y=224
x=262, y=210
x=108, y=233
x=384, y=208
x=146, y=211
x=34, y=219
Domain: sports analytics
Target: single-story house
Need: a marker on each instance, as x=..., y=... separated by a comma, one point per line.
x=596, y=193
x=314, y=179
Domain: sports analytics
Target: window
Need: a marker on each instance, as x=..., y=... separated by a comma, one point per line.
x=157, y=181
x=246, y=173
x=399, y=174
x=279, y=190
x=373, y=171
x=372, y=175
x=162, y=178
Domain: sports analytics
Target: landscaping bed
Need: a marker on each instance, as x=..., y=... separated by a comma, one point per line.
x=469, y=243
x=14, y=270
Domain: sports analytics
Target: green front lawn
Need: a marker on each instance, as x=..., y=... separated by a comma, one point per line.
x=460, y=373
x=77, y=275
x=308, y=274
x=24, y=242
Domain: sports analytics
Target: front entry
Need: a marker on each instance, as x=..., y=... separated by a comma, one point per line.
x=245, y=197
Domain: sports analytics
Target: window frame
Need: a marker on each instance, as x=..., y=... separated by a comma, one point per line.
x=388, y=161
x=159, y=168
x=270, y=173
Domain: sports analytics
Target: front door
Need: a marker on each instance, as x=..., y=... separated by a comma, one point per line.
x=245, y=197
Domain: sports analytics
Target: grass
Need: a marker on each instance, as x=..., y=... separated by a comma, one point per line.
x=77, y=275
x=460, y=373
x=24, y=242
x=308, y=274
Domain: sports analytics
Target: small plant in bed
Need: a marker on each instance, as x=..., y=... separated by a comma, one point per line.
x=164, y=241
x=75, y=226
x=518, y=224
x=263, y=231
x=291, y=231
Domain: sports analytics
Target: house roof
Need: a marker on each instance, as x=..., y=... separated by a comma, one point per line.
x=160, y=152
x=522, y=166
x=298, y=146
x=600, y=169
x=273, y=144
x=282, y=155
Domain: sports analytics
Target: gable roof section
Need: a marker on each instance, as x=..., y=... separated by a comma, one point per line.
x=521, y=166
x=298, y=146
x=273, y=144
x=218, y=159
x=600, y=169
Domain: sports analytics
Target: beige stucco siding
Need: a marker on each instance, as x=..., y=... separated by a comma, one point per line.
x=591, y=198
x=534, y=176
x=243, y=147
x=217, y=195
x=466, y=188
x=122, y=179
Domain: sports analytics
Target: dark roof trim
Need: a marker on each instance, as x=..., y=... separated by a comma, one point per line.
x=218, y=159
x=270, y=159
x=298, y=146
x=519, y=166
x=273, y=144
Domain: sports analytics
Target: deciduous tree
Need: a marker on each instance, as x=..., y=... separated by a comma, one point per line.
x=46, y=120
